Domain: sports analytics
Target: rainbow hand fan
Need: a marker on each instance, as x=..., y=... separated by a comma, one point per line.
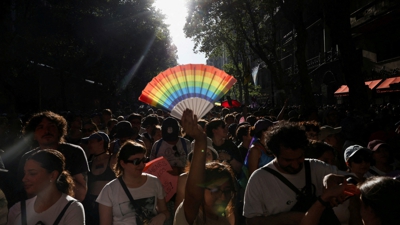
x=192, y=86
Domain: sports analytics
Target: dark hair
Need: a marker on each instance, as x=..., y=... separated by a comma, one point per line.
x=241, y=131
x=215, y=171
x=286, y=134
x=150, y=120
x=37, y=118
x=213, y=124
x=317, y=148
x=107, y=112
x=229, y=116
x=127, y=149
x=383, y=196
x=90, y=122
x=311, y=125
x=251, y=119
x=202, y=122
x=53, y=160
x=134, y=116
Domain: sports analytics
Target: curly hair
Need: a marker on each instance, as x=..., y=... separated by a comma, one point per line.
x=288, y=135
x=37, y=118
x=53, y=160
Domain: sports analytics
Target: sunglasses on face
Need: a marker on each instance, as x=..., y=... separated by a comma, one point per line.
x=137, y=161
x=216, y=191
x=359, y=159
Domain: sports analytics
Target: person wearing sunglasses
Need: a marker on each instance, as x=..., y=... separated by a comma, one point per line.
x=144, y=197
x=358, y=161
x=210, y=188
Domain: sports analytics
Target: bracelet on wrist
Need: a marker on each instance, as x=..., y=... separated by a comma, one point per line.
x=324, y=203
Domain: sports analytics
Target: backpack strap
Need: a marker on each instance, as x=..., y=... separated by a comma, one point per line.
x=60, y=216
x=289, y=184
x=309, y=188
x=23, y=213
x=283, y=179
x=158, y=147
x=133, y=202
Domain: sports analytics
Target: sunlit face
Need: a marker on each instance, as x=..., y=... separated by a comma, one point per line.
x=290, y=161
x=46, y=133
x=36, y=178
x=217, y=196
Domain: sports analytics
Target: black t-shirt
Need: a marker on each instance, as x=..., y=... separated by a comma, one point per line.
x=75, y=159
x=230, y=148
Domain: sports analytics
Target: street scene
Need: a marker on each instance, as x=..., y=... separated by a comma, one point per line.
x=237, y=112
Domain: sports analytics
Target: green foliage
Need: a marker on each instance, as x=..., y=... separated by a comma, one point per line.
x=103, y=41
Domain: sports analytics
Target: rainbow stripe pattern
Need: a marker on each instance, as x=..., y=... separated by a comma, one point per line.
x=193, y=86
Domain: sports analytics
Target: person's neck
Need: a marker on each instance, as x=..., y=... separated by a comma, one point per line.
x=49, y=146
x=218, y=141
x=246, y=143
x=46, y=199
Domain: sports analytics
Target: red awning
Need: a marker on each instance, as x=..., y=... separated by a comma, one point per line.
x=385, y=86
x=344, y=90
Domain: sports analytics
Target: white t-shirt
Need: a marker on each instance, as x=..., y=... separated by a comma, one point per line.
x=74, y=215
x=113, y=195
x=266, y=195
x=180, y=218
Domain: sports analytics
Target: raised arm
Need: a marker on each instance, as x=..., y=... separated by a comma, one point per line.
x=194, y=193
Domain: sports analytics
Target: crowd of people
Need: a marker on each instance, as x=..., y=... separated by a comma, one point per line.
x=234, y=166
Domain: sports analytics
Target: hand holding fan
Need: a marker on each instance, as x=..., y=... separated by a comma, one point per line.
x=192, y=86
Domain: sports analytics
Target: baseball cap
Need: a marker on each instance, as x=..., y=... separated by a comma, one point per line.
x=353, y=149
x=375, y=144
x=170, y=129
x=100, y=136
x=325, y=131
x=209, y=146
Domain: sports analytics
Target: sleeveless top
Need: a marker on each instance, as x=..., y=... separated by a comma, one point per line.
x=264, y=159
x=107, y=175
